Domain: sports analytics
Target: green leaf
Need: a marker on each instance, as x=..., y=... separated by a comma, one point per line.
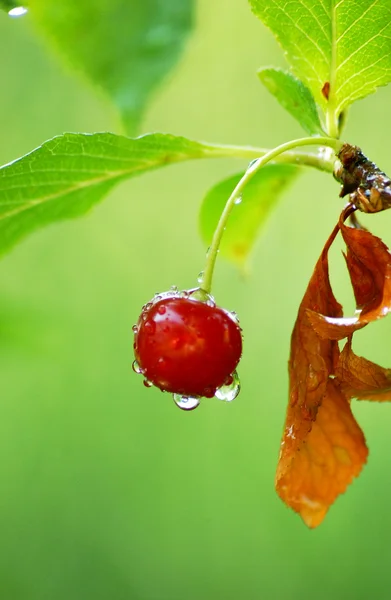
x=294, y=96
x=126, y=47
x=260, y=196
x=344, y=42
x=69, y=174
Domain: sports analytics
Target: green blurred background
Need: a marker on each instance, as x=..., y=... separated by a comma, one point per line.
x=108, y=491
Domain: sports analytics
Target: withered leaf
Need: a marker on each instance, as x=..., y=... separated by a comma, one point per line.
x=312, y=359
x=332, y=328
x=361, y=378
x=333, y=453
x=369, y=263
x=323, y=448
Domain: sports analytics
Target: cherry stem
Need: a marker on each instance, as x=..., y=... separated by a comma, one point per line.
x=255, y=166
x=302, y=159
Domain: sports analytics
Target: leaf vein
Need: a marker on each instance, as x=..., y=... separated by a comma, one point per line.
x=360, y=48
x=305, y=34
x=354, y=23
x=359, y=74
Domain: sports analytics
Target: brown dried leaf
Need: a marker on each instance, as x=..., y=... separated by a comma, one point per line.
x=312, y=358
x=331, y=328
x=361, y=378
x=369, y=263
x=333, y=453
x=323, y=448
x=362, y=280
x=311, y=361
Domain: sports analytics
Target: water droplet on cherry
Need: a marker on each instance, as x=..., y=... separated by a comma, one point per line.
x=230, y=389
x=136, y=368
x=186, y=402
x=209, y=392
x=233, y=315
x=150, y=327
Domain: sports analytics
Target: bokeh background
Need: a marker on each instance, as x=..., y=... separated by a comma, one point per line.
x=107, y=490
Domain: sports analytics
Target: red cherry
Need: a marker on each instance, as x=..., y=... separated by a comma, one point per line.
x=186, y=346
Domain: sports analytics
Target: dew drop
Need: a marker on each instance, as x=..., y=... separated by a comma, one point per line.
x=230, y=389
x=209, y=392
x=325, y=153
x=233, y=315
x=198, y=294
x=238, y=200
x=186, y=402
x=252, y=163
x=174, y=289
x=136, y=367
x=135, y=329
x=211, y=301
x=18, y=11
x=313, y=379
x=149, y=327
x=147, y=383
x=202, y=296
x=200, y=277
x=161, y=310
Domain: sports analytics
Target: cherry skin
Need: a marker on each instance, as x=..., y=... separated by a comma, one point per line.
x=185, y=346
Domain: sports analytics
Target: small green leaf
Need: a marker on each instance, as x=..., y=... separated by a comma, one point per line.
x=346, y=43
x=247, y=218
x=126, y=47
x=294, y=96
x=69, y=174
